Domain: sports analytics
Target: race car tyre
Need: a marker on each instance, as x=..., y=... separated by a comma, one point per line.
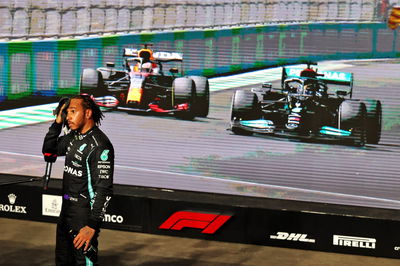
x=184, y=91
x=91, y=82
x=243, y=107
x=353, y=117
x=374, y=121
x=202, y=102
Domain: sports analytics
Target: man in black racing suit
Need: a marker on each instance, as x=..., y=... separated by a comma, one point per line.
x=87, y=180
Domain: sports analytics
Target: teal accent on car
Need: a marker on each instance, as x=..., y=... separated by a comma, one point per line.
x=294, y=72
x=260, y=123
x=334, y=131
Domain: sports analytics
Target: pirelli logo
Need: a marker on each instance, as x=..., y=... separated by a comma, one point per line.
x=353, y=241
x=209, y=222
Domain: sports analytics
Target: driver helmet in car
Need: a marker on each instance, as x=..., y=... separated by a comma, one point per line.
x=147, y=67
x=308, y=73
x=310, y=88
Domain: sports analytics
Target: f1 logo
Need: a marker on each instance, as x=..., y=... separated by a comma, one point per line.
x=210, y=222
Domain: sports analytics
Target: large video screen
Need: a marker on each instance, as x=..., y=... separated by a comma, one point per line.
x=337, y=143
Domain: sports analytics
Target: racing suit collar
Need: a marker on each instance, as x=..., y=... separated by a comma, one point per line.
x=81, y=136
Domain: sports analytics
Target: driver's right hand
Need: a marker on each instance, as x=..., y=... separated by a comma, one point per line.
x=61, y=116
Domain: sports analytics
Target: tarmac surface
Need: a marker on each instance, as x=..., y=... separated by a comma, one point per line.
x=32, y=243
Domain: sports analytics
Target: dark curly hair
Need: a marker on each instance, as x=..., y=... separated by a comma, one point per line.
x=88, y=103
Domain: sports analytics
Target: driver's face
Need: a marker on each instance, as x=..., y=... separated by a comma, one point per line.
x=76, y=115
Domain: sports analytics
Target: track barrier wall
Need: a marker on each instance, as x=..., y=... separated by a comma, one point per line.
x=53, y=68
x=271, y=222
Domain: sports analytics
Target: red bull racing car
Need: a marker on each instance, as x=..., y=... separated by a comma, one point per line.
x=143, y=85
x=304, y=106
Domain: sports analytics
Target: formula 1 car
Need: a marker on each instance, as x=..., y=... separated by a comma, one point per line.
x=304, y=106
x=143, y=86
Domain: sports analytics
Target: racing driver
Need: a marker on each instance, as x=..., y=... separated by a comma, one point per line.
x=87, y=181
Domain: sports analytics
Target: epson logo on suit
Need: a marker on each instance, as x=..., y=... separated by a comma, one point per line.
x=11, y=207
x=354, y=241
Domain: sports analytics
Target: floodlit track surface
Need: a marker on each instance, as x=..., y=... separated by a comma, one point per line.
x=201, y=155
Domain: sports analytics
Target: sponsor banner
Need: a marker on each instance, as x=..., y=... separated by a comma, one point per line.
x=354, y=241
x=209, y=222
x=31, y=202
x=292, y=237
x=113, y=218
x=126, y=212
x=197, y=220
x=214, y=217
x=22, y=201
x=51, y=205
x=12, y=205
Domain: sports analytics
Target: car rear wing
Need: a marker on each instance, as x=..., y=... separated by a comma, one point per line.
x=330, y=77
x=131, y=52
x=157, y=56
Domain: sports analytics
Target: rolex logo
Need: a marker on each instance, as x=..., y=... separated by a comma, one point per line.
x=12, y=198
x=11, y=207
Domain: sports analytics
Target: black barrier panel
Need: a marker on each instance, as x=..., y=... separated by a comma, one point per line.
x=31, y=202
x=198, y=220
x=127, y=213
x=260, y=221
x=311, y=231
x=19, y=202
x=324, y=232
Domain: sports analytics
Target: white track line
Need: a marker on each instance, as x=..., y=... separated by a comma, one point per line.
x=233, y=181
